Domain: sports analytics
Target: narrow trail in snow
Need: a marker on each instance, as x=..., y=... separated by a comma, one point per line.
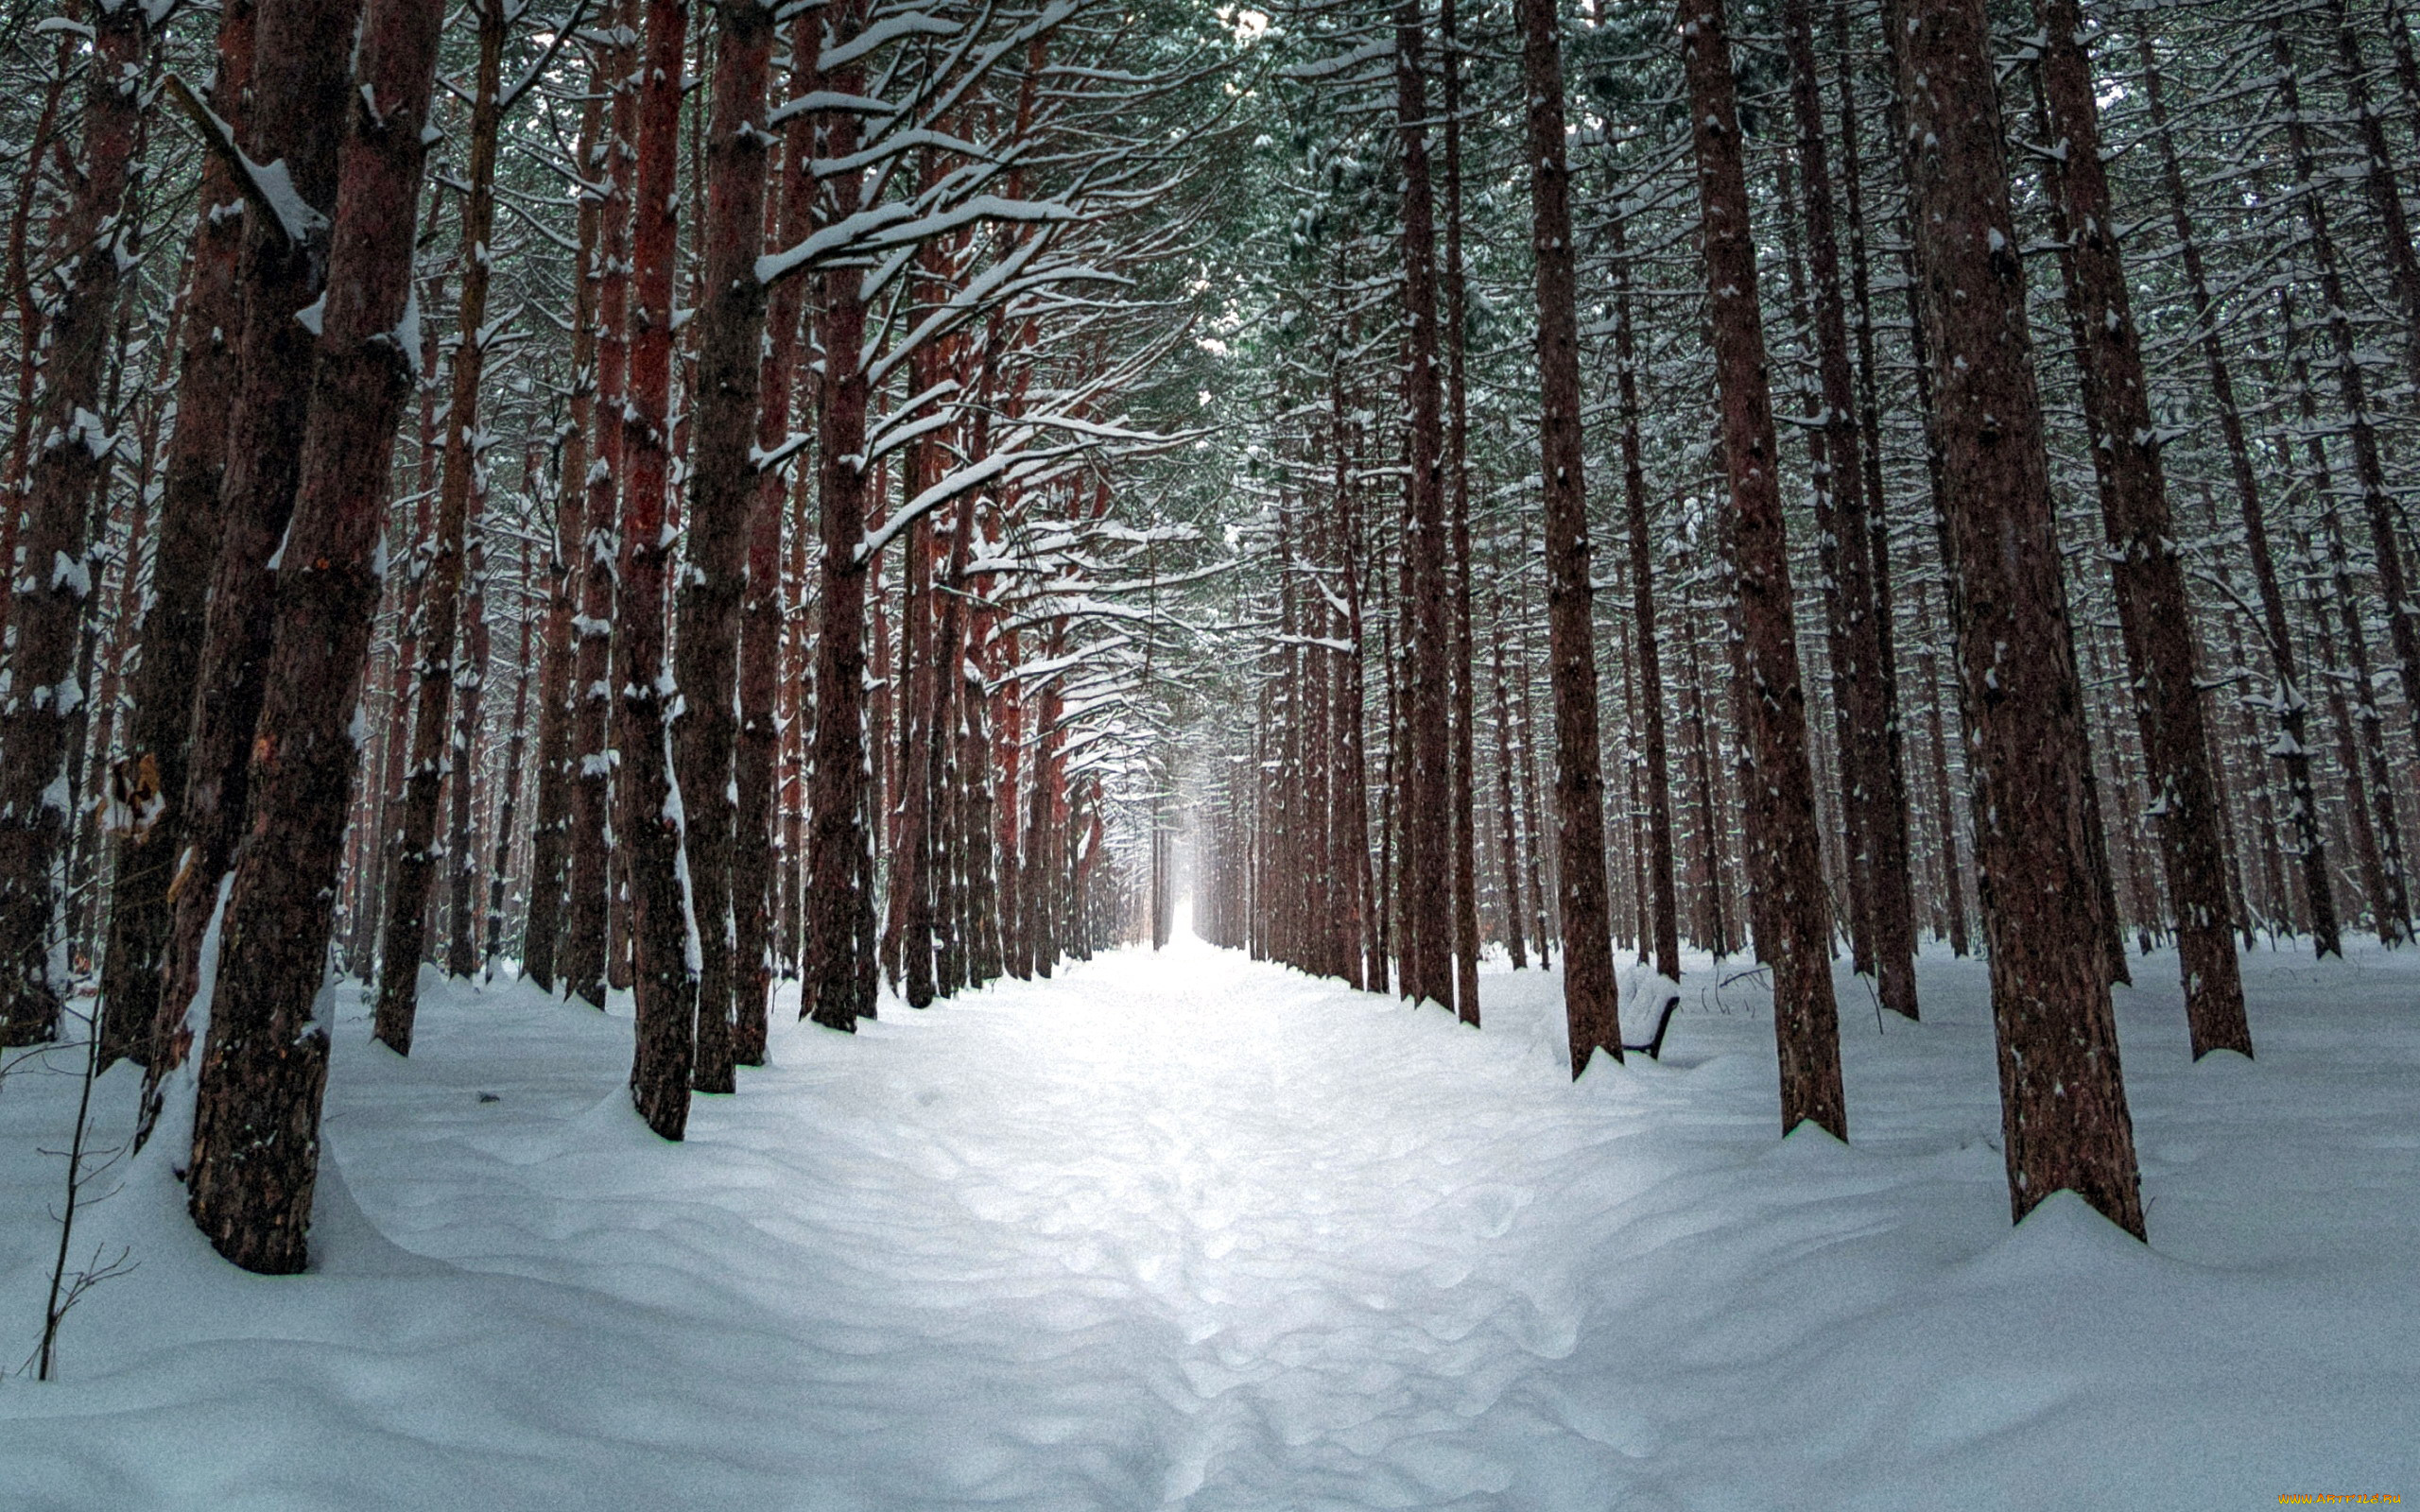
x=1164, y=1227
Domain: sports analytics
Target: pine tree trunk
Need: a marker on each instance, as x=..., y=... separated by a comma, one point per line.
x=300, y=86
x=1953, y=872
x=39, y=719
x=150, y=780
x=725, y=499
x=2145, y=568
x=509, y=793
x=1591, y=1008
x=462, y=840
x=1868, y=755
x=1782, y=800
x=257, y=1130
x=1427, y=820
x=551, y=826
x=589, y=937
x=1510, y=828
x=1541, y=921
x=2064, y=1117
x=650, y=810
x=832, y=991
x=1464, y=836
x=406, y=937
x=758, y=850
x=1664, y=920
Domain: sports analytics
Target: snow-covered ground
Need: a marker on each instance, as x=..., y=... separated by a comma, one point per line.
x=1189, y=1230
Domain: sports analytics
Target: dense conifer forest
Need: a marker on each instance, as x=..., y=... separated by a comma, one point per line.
x=750, y=519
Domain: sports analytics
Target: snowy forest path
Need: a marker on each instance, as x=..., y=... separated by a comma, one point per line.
x=1174, y=1228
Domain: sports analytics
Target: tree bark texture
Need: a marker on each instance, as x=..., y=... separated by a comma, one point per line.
x=725, y=499
x=1785, y=854
x=650, y=812
x=2144, y=559
x=1591, y=1002
x=2064, y=1118
x=256, y=1129
x=70, y=456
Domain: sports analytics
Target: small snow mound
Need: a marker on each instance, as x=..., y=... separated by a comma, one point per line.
x=2062, y=1238
x=345, y=1243
x=1810, y=1145
x=2228, y=1063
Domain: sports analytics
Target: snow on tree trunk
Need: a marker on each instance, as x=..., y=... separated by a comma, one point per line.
x=725, y=500
x=300, y=94
x=150, y=780
x=1427, y=866
x=438, y=747
x=1864, y=676
x=1663, y=921
x=836, y=840
x=588, y=935
x=650, y=808
x=39, y=713
x=551, y=826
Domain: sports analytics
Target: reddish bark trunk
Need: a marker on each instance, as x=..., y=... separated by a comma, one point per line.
x=1785, y=856
x=257, y=1114
x=404, y=940
x=648, y=807
x=2064, y=1117
x=1462, y=779
x=832, y=991
x=551, y=826
x=151, y=774
x=1664, y=916
x=509, y=793
x=1428, y=876
x=2143, y=559
x=39, y=720
x=1589, y=994
x=300, y=85
x=726, y=498
x=588, y=935
x=1881, y=821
